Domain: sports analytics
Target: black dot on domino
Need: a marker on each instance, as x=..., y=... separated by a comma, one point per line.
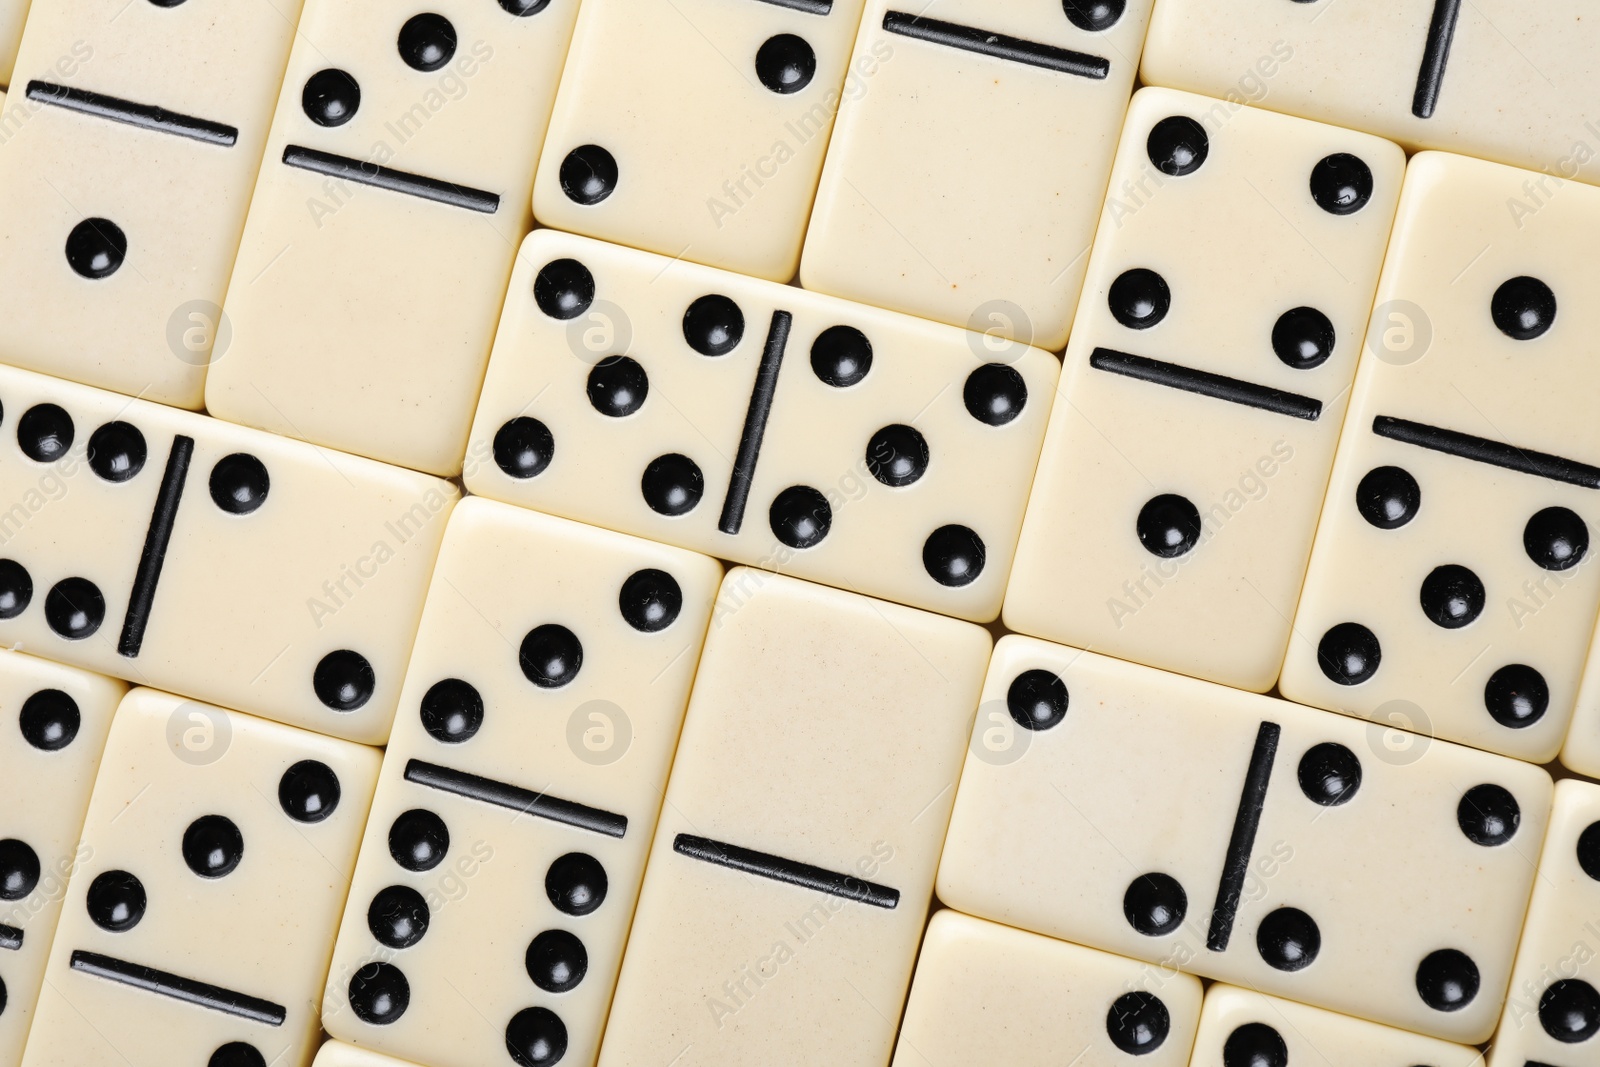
x=1093, y=16
x=1523, y=308
x=45, y=433
x=1155, y=904
x=330, y=97
x=897, y=455
x=536, y=1037
x=785, y=63
x=672, y=484
x=1178, y=145
x=2, y=997
x=1288, y=939
x=800, y=517
x=1349, y=654
x=841, y=356
x=563, y=289
x=588, y=175
x=1255, y=1045
x=237, y=1054
x=650, y=600
x=1488, y=815
x=309, y=791
x=1452, y=596
x=213, y=846
x=1556, y=538
x=551, y=655
x=418, y=839
x=1516, y=696
x=1138, y=1023
x=523, y=447
x=1139, y=298
x=115, y=901
x=994, y=394
x=166, y=3
x=239, y=483
x=557, y=961
x=452, y=711
x=427, y=41
x=117, y=451
x=1329, y=774
x=954, y=555
x=713, y=326
x=1168, y=526
x=343, y=680
x=379, y=994
x=1388, y=497
x=1303, y=338
x=576, y=883
x=1588, y=851
x=1569, y=1011
x=617, y=386
x=96, y=248
x=1447, y=980
x=1341, y=184
x=19, y=869
x=398, y=916
x=49, y=720
x=16, y=589
x=1037, y=699
x=74, y=608
x=524, y=8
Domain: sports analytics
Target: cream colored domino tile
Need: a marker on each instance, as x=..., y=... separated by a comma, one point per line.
x=519, y=791
x=760, y=423
x=55, y=721
x=697, y=128
x=1450, y=589
x=1243, y=1028
x=339, y=1054
x=1552, y=1017
x=209, y=559
x=217, y=853
x=792, y=869
x=132, y=133
x=391, y=201
x=986, y=993
x=1490, y=78
x=1231, y=835
x=1204, y=388
x=963, y=183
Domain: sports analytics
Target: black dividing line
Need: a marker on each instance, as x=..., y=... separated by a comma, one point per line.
x=804, y=875
x=1435, y=56
x=489, y=791
x=144, y=116
x=146, y=578
x=810, y=7
x=755, y=424
x=996, y=45
x=10, y=937
x=396, y=181
x=200, y=994
x=1245, y=824
x=1217, y=386
x=1483, y=450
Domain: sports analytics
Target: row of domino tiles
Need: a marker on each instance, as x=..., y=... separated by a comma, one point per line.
x=517, y=879
x=1225, y=299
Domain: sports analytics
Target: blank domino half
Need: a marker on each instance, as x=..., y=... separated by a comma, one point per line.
x=53, y=725
x=986, y=993
x=760, y=423
x=792, y=870
x=1244, y=838
x=1243, y=1028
